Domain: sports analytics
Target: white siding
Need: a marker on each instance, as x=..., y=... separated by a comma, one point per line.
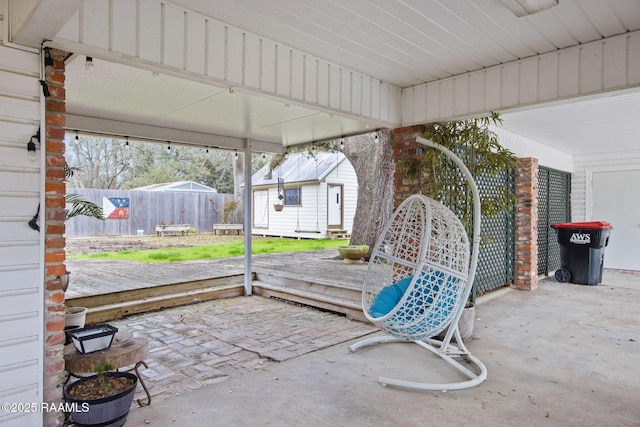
x=150, y=32
x=525, y=147
x=21, y=275
x=608, y=64
x=582, y=186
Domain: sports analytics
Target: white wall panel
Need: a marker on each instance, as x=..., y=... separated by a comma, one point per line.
x=590, y=76
x=584, y=165
x=345, y=90
x=547, y=77
x=528, y=81
x=216, y=35
x=126, y=13
x=92, y=17
x=376, y=87
x=173, y=37
x=195, y=44
x=283, y=71
x=366, y=95
x=432, y=107
x=149, y=30
x=476, y=91
x=268, y=66
x=21, y=256
x=311, y=79
x=605, y=65
x=633, y=52
x=334, y=86
x=235, y=56
x=461, y=95
x=615, y=63
x=493, y=89
x=525, y=147
x=356, y=93
x=11, y=275
x=509, y=84
x=252, y=58
x=323, y=83
x=297, y=75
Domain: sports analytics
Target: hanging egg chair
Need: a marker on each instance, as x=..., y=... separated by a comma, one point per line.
x=419, y=278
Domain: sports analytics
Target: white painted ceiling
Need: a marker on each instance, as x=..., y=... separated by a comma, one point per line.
x=403, y=42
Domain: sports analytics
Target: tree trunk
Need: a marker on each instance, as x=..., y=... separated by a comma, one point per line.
x=238, y=179
x=374, y=167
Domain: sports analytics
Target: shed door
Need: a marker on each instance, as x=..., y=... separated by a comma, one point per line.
x=334, y=204
x=261, y=209
x=616, y=199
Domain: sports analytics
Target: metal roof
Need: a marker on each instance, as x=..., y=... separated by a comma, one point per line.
x=300, y=167
x=178, y=186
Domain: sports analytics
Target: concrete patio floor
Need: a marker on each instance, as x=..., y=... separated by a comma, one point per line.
x=563, y=355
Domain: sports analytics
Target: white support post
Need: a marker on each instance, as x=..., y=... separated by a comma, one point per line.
x=247, y=219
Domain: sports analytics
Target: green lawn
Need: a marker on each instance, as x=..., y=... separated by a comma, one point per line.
x=223, y=250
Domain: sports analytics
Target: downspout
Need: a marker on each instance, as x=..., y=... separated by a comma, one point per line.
x=248, y=276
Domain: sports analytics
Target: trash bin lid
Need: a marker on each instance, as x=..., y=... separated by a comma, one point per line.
x=588, y=224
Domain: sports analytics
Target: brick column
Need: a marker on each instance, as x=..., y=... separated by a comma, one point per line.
x=52, y=218
x=526, y=256
x=405, y=148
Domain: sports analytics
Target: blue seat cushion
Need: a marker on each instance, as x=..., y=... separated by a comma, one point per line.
x=388, y=297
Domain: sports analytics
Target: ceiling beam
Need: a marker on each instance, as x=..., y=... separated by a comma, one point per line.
x=31, y=22
x=114, y=128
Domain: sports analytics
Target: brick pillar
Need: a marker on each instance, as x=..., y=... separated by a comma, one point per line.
x=52, y=217
x=526, y=256
x=405, y=148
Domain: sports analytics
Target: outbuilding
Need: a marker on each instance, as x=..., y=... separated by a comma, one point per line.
x=309, y=195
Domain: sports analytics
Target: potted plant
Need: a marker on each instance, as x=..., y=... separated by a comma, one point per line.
x=437, y=177
x=353, y=254
x=103, y=399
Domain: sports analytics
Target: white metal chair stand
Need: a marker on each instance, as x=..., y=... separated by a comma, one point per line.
x=419, y=279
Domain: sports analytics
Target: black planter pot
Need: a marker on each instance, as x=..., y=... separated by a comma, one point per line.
x=109, y=411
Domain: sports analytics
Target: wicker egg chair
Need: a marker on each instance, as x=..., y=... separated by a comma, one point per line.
x=419, y=278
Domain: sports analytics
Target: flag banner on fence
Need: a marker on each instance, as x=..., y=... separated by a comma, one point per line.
x=115, y=207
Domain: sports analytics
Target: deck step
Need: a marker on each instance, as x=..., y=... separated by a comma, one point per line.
x=327, y=287
x=112, y=306
x=351, y=309
x=338, y=234
x=327, y=294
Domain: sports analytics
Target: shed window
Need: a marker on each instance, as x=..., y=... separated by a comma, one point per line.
x=292, y=196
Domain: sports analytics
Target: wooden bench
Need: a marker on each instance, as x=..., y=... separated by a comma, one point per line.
x=173, y=229
x=224, y=229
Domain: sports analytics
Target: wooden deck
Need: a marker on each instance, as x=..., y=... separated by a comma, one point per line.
x=95, y=277
x=113, y=289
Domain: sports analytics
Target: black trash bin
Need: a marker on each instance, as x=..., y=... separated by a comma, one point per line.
x=582, y=251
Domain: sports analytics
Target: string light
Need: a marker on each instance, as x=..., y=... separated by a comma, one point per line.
x=169, y=146
x=76, y=135
x=342, y=142
x=126, y=142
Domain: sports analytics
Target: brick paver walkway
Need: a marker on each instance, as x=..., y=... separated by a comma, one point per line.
x=200, y=344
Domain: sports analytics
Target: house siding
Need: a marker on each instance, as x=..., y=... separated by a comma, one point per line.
x=21, y=248
x=584, y=166
x=524, y=147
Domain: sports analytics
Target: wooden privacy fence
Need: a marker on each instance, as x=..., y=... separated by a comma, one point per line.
x=147, y=209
